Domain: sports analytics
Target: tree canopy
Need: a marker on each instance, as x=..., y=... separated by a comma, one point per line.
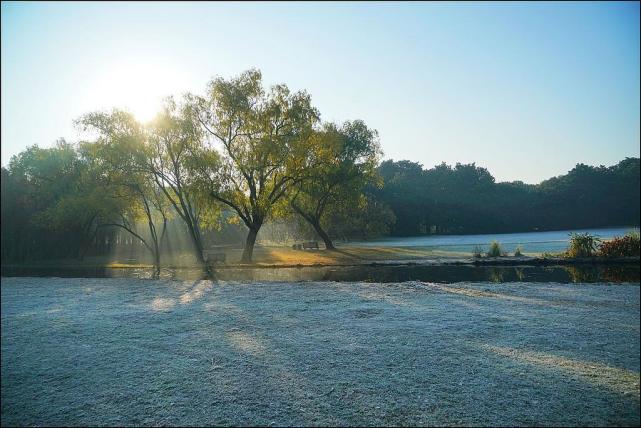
x=346, y=161
x=263, y=138
x=244, y=154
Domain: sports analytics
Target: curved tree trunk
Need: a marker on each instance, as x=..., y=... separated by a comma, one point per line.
x=248, y=251
x=154, y=236
x=157, y=264
x=198, y=244
x=254, y=226
x=156, y=254
x=200, y=256
x=315, y=222
x=324, y=236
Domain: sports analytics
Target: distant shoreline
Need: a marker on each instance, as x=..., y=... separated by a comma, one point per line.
x=488, y=262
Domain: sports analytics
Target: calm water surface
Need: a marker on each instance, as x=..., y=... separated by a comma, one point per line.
x=530, y=242
x=384, y=274
x=533, y=242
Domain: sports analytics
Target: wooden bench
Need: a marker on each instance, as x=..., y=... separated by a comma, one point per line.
x=213, y=257
x=310, y=245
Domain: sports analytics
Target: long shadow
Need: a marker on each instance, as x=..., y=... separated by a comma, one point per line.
x=354, y=256
x=545, y=385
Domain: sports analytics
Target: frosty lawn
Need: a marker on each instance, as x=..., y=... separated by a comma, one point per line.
x=143, y=352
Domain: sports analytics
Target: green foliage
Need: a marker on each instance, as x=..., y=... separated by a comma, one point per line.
x=477, y=252
x=466, y=199
x=622, y=246
x=266, y=145
x=66, y=197
x=346, y=160
x=548, y=255
x=518, y=251
x=495, y=250
x=363, y=218
x=147, y=169
x=582, y=245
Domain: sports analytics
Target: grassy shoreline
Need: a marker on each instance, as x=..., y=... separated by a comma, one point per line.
x=283, y=257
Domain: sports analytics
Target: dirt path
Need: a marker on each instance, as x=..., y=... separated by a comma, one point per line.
x=142, y=352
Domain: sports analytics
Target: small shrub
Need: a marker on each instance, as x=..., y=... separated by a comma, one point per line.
x=582, y=245
x=495, y=250
x=477, y=252
x=517, y=252
x=621, y=246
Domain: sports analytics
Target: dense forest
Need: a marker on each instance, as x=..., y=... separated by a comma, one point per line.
x=466, y=199
x=243, y=164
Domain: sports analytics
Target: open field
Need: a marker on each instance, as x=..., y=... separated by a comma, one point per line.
x=273, y=255
x=143, y=352
x=281, y=255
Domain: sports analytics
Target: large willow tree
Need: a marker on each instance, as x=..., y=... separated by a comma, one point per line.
x=347, y=159
x=173, y=147
x=264, y=139
x=154, y=163
x=117, y=159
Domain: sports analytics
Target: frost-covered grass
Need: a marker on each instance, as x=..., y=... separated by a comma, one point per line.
x=143, y=352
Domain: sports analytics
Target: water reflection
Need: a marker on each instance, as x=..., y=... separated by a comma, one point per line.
x=497, y=275
x=443, y=274
x=603, y=273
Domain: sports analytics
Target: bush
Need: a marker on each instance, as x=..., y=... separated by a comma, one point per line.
x=477, y=252
x=548, y=255
x=621, y=246
x=582, y=245
x=495, y=250
x=517, y=252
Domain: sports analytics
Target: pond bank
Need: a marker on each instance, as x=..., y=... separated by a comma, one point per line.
x=443, y=261
x=432, y=270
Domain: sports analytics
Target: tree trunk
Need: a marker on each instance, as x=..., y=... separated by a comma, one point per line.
x=156, y=254
x=324, y=236
x=248, y=251
x=198, y=245
x=199, y=254
x=156, y=264
x=315, y=222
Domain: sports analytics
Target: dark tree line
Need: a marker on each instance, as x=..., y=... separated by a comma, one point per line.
x=51, y=209
x=466, y=199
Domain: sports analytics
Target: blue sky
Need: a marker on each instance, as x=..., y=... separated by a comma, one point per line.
x=526, y=90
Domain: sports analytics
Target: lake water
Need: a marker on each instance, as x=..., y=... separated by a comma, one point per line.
x=530, y=242
x=628, y=273
x=535, y=242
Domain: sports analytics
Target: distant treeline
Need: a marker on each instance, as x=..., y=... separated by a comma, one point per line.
x=242, y=164
x=408, y=201
x=466, y=199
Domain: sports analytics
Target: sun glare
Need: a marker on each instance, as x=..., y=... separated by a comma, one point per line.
x=137, y=88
